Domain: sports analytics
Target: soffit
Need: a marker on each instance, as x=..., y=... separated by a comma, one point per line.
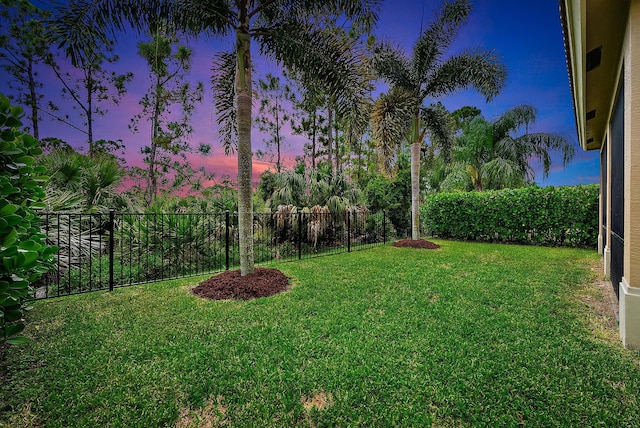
x=589, y=26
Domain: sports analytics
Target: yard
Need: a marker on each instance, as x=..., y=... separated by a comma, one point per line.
x=466, y=335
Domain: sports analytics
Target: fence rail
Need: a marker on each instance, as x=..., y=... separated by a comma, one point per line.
x=105, y=251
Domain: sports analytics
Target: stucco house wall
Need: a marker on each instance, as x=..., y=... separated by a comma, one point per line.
x=602, y=43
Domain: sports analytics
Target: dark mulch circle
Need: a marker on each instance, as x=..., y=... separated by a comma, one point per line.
x=416, y=243
x=263, y=282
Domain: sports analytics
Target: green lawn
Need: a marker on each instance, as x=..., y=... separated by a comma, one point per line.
x=468, y=335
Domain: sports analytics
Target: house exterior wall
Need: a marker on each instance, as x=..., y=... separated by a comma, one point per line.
x=614, y=28
x=630, y=284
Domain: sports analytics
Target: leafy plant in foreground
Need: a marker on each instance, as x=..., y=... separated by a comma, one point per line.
x=25, y=257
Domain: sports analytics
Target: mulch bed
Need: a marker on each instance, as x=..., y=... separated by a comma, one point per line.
x=263, y=282
x=266, y=282
x=416, y=243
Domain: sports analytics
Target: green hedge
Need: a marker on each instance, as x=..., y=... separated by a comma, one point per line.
x=556, y=216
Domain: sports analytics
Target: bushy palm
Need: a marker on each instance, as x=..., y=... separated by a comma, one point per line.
x=79, y=186
x=491, y=155
x=402, y=113
x=313, y=189
x=79, y=183
x=288, y=31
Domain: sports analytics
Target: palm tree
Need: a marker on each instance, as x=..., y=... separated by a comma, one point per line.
x=402, y=114
x=313, y=187
x=286, y=30
x=79, y=183
x=494, y=158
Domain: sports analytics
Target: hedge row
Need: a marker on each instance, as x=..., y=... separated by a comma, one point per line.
x=555, y=216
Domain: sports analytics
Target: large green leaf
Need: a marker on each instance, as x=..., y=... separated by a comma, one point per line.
x=8, y=209
x=12, y=315
x=13, y=329
x=18, y=340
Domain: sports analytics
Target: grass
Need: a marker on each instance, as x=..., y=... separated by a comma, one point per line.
x=468, y=335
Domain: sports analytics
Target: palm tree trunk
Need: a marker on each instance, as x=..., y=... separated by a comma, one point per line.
x=330, y=135
x=415, y=189
x=278, y=166
x=416, y=135
x=243, y=102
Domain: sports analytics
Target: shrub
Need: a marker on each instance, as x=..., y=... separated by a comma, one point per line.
x=557, y=216
x=394, y=197
x=25, y=257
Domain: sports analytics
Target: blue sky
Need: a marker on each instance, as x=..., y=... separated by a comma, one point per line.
x=526, y=35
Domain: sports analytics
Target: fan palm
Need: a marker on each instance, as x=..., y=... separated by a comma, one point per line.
x=81, y=183
x=314, y=188
x=402, y=113
x=286, y=30
x=495, y=158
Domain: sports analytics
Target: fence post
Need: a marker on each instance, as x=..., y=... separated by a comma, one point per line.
x=226, y=240
x=299, y=235
x=384, y=227
x=349, y=231
x=46, y=277
x=111, y=247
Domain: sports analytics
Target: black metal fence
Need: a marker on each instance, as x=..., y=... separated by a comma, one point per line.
x=105, y=251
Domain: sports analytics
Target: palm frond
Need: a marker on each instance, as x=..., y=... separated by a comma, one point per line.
x=356, y=115
x=439, y=124
x=542, y=143
x=512, y=149
x=437, y=38
x=58, y=200
x=392, y=65
x=500, y=173
x=480, y=70
x=82, y=27
x=390, y=121
x=476, y=142
x=331, y=59
x=361, y=14
x=513, y=119
x=223, y=85
x=458, y=179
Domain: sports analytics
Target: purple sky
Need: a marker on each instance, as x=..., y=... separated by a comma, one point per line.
x=526, y=35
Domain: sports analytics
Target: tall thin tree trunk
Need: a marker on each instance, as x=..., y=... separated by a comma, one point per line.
x=152, y=177
x=313, y=142
x=415, y=190
x=89, y=111
x=243, y=102
x=33, y=102
x=337, y=152
x=278, y=165
x=359, y=160
x=416, y=135
x=330, y=136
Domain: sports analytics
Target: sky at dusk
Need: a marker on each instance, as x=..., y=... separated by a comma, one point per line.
x=526, y=35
